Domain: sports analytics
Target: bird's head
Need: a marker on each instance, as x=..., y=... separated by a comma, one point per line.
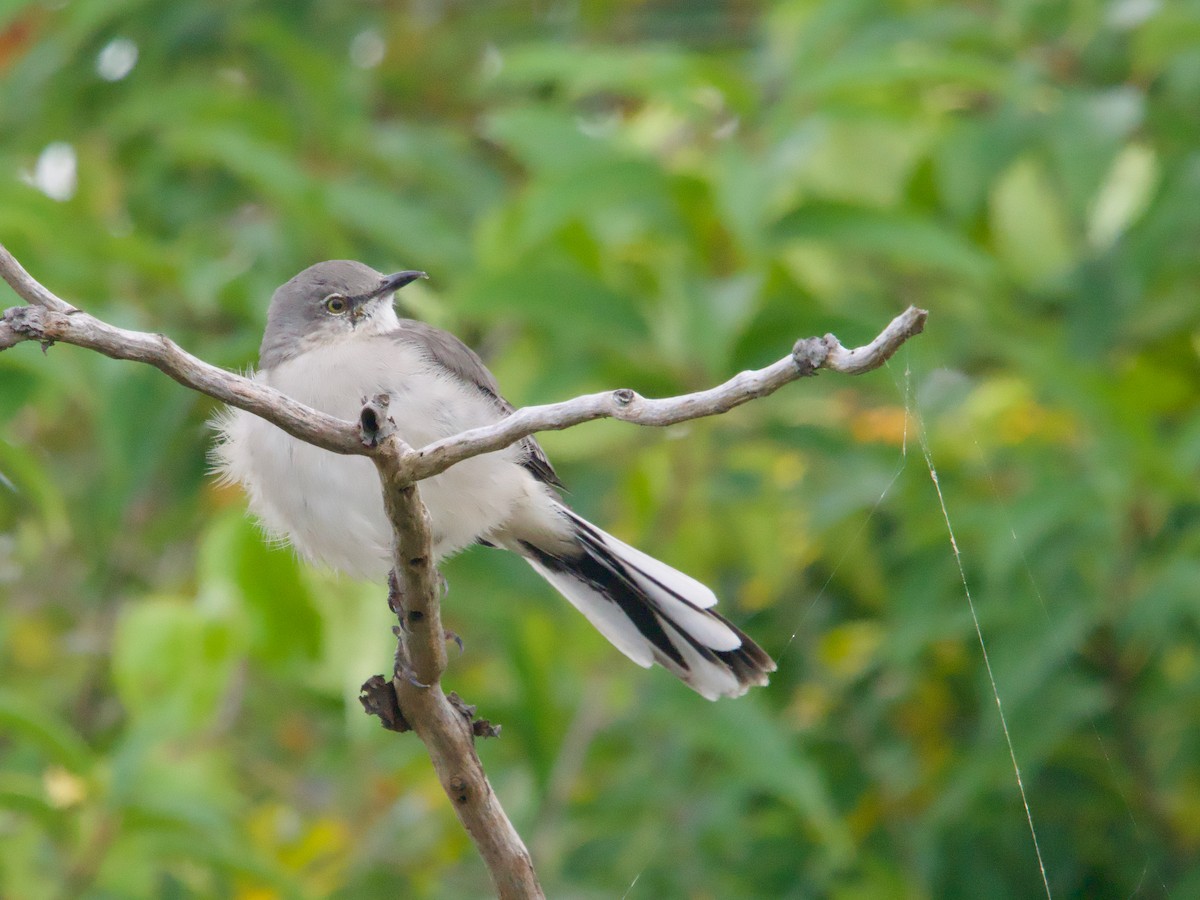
x=328, y=301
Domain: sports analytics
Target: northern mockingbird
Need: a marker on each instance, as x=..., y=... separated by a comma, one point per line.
x=333, y=338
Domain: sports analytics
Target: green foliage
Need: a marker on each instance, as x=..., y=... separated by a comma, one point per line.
x=653, y=195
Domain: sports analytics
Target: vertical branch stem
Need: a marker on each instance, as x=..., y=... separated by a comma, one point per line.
x=444, y=724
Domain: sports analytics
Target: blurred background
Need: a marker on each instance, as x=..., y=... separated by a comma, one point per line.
x=655, y=195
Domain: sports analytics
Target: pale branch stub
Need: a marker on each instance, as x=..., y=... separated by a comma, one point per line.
x=413, y=698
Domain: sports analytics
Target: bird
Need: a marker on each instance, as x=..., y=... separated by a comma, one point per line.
x=333, y=338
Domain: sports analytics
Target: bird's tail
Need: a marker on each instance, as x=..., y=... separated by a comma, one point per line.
x=651, y=612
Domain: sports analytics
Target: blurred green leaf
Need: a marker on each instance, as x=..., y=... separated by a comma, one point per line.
x=172, y=664
x=1033, y=236
x=906, y=240
x=258, y=586
x=19, y=717
x=654, y=196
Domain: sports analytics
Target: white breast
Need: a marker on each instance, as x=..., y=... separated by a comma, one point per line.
x=329, y=506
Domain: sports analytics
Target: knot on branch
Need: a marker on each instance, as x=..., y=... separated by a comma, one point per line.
x=479, y=727
x=22, y=319
x=378, y=698
x=809, y=354
x=624, y=397
x=28, y=322
x=458, y=789
x=374, y=423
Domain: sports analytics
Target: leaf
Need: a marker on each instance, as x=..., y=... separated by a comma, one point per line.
x=26, y=795
x=171, y=663
x=1031, y=231
x=537, y=291
x=624, y=197
x=28, y=485
x=259, y=586
x=43, y=727
x=1124, y=196
x=546, y=140
x=903, y=238
x=754, y=746
x=417, y=233
x=588, y=70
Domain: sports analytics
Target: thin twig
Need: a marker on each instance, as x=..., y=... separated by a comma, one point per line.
x=807, y=357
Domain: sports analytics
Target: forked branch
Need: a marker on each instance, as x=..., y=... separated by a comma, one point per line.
x=413, y=698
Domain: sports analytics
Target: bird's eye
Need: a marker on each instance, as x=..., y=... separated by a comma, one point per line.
x=336, y=304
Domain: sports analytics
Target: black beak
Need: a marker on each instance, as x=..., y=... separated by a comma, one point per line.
x=395, y=282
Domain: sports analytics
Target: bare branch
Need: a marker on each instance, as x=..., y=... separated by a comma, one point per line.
x=78, y=328
x=445, y=726
x=412, y=558
x=808, y=356
x=414, y=697
x=28, y=287
x=909, y=323
x=49, y=319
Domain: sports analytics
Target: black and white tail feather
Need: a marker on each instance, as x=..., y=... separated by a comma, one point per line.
x=651, y=612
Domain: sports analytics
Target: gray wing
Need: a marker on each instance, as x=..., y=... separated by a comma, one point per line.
x=450, y=353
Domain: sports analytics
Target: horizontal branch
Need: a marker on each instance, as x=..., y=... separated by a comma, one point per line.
x=807, y=357
x=48, y=319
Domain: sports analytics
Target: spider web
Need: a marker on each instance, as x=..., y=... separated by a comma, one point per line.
x=913, y=420
x=987, y=661
x=914, y=430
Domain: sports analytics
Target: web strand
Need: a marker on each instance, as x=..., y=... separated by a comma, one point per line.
x=913, y=422
x=987, y=662
x=1139, y=834
x=632, y=884
x=901, y=464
